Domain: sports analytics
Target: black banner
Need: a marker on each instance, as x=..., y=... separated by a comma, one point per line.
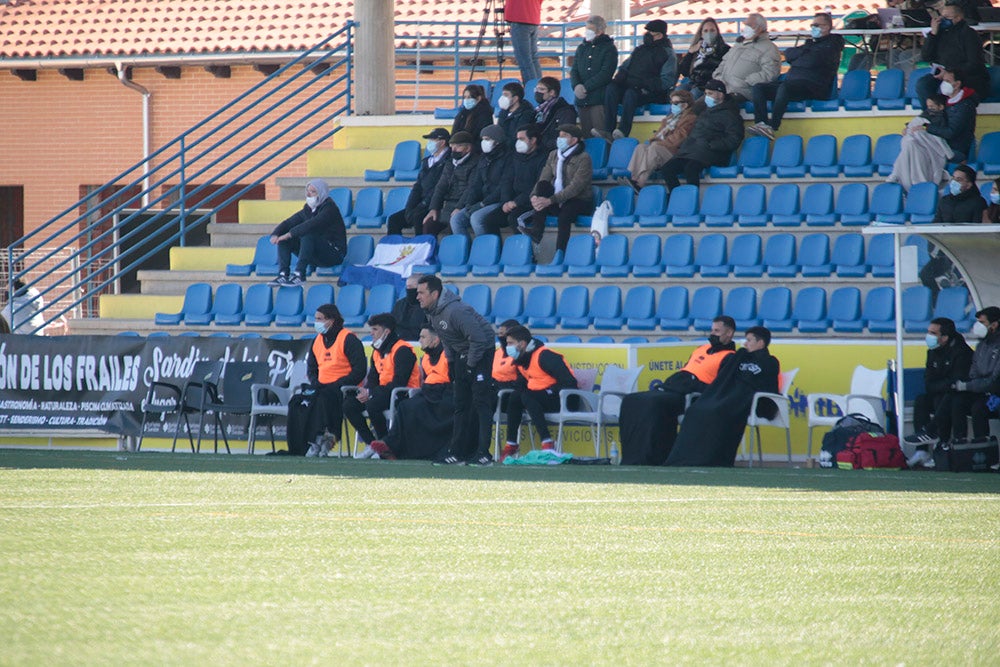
x=100, y=382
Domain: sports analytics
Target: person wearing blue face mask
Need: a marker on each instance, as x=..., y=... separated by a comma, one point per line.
x=948, y=360
x=418, y=203
x=992, y=213
x=563, y=188
x=665, y=142
x=953, y=44
x=543, y=374
x=963, y=203
x=474, y=111
x=812, y=74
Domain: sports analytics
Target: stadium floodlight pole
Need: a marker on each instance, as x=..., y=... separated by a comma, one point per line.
x=494, y=8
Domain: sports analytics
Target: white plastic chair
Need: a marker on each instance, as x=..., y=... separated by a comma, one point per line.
x=864, y=397
x=588, y=411
x=780, y=420
x=269, y=400
x=616, y=383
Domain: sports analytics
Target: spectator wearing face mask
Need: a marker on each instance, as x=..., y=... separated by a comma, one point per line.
x=593, y=66
x=665, y=142
x=316, y=234
x=419, y=202
x=475, y=112
x=963, y=203
x=922, y=154
x=451, y=186
x=992, y=213
x=958, y=125
x=969, y=397
x=953, y=44
x=563, y=188
x=518, y=180
x=552, y=111
x=483, y=194
x=703, y=56
x=751, y=60
x=514, y=111
x=407, y=312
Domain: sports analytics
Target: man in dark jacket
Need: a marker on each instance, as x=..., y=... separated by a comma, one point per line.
x=452, y=184
x=716, y=135
x=468, y=342
x=543, y=374
x=948, y=360
x=811, y=76
x=514, y=111
x=964, y=202
x=969, y=397
x=593, y=67
x=552, y=111
x=316, y=234
x=419, y=201
x=409, y=316
x=482, y=196
x=647, y=76
x=955, y=45
x=515, y=190
x=957, y=125
x=563, y=188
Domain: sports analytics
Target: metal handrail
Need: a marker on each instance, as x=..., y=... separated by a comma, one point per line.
x=327, y=67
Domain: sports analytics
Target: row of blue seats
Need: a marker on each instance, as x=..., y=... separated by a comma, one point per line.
x=252, y=335
x=814, y=311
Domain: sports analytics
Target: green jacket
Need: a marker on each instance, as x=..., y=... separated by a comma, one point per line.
x=593, y=66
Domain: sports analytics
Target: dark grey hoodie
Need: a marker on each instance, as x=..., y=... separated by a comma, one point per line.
x=464, y=333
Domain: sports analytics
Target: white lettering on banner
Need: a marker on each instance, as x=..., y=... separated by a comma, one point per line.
x=8, y=369
x=172, y=366
x=280, y=364
x=29, y=371
x=57, y=372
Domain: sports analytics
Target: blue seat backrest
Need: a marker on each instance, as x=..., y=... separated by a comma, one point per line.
x=606, y=301
x=810, y=304
x=852, y=199
x=342, y=197
x=845, y=304
x=395, y=200
x=622, y=198
x=541, y=301
x=574, y=302
x=407, y=155
x=889, y=84
x=640, y=302
x=613, y=251
x=673, y=303
x=706, y=303
x=775, y=303
x=597, y=148
x=621, y=152
x=780, y=250
x=651, y=200
x=821, y=150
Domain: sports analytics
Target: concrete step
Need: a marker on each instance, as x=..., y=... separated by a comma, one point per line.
x=99, y=326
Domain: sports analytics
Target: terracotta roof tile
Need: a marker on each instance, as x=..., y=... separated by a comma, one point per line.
x=54, y=28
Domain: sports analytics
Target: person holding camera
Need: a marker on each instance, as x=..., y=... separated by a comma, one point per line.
x=953, y=45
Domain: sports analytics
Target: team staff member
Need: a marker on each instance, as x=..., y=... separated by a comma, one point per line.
x=543, y=374
x=336, y=359
x=468, y=342
x=393, y=365
x=649, y=418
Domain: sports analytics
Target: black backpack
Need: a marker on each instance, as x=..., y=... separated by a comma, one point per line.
x=842, y=434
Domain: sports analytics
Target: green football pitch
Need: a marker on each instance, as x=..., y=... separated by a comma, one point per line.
x=113, y=558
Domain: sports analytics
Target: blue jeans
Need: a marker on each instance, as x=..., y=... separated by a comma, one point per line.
x=524, y=42
x=461, y=220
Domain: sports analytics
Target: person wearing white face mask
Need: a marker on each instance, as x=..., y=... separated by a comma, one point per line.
x=514, y=111
x=419, y=201
x=563, y=188
x=593, y=66
x=753, y=59
x=316, y=234
x=482, y=196
x=963, y=203
x=452, y=184
x=948, y=360
x=969, y=397
x=518, y=180
x=702, y=58
x=958, y=125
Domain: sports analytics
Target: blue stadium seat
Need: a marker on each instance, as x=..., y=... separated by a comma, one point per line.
x=651, y=206
x=344, y=198
x=678, y=256
x=783, y=206
x=856, y=155
x=368, y=208
x=612, y=256
x=750, y=205
x=622, y=198
x=573, y=310
x=814, y=256
x=741, y=305
x=848, y=256
x=711, y=256
x=580, y=257
x=606, y=307
x=831, y=103
x=478, y=296
x=880, y=256
x=629, y=340
x=645, y=258
x=265, y=256
x=350, y=301
x=258, y=306
x=917, y=310
x=923, y=248
x=953, y=303
x=682, y=207
x=852, y=205
x=318, y=294
x=639, y=310
x=453, y=253
x=879, y=311
x=745, y=256
x=706, y=305
x=540, y=307
x=381, y=299
x=776, y=309
x=887, y=203
x=672, y=309
x=753, y=155
x=360, y=248
x=395, y=200
x=227, y=310
x=729, y=171
x=717, y=206
x=885, y=153
x=921, y=203
x=821, y=156
x=889, y=90
x=405, y=163
x=779, y=256
x=516, y=256
x=989, y=153
x=845, y=310
x=809, y=313
x=288, y=306
x=196, y=307
x=597, y=148
x=911, y=86
x=508, y=304
x=855, y=90
x=568, y=339
x=484, y=255
x=498, y=92
x=620, y=155
x=786, y=158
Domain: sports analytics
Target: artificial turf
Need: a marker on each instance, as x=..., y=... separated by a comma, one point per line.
x=114, y=558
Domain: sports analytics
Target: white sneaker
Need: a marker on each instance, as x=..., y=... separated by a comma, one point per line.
x=618, y=134
x=314, y=449
x=367, y=453
x=919, y=458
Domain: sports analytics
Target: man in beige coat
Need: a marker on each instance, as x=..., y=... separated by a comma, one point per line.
x=752, y=59
x=563, y=188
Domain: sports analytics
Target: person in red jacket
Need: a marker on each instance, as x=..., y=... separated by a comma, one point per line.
x=523, y=18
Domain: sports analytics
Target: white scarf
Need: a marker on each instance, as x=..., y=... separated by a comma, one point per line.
x=558, y=185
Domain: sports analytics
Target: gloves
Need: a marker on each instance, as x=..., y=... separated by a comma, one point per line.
x=992, y=402
x=580, y=91
x=960, y=386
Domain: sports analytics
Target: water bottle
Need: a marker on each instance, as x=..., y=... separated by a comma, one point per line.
x=613, y=453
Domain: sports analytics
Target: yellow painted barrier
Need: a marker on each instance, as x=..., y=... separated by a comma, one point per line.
x=208, y=258
x=138, y=306
x=259, y=211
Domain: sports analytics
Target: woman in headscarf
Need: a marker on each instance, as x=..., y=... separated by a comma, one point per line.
x=316, y=234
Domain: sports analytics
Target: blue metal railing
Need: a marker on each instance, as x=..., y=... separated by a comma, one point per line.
x=256, y=134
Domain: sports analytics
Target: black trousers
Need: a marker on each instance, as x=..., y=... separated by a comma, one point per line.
x=924, y=406
x=412, y=218
x=537, y=403
x=474, y=395
x=377, y=404
x=682, y=165
x=952, y=413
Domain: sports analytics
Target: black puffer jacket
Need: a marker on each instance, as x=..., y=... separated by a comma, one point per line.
x=815, y=62
x=474, y=120
x=947, y=365
x=453, y=183
x=593, y=66
x=716, y=134
x=521, y=177
x=701, y=73
x=966, y=206
x=651, y=68
x=485, y=183
x=423, y=188
x=959, y=47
